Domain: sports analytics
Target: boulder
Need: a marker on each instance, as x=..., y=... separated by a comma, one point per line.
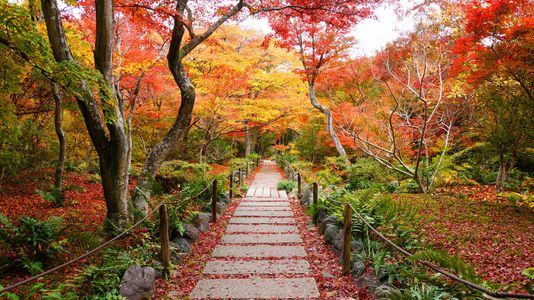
x=331, y=219
x=202, y=221
x=383, y=290
x=320, y=215
x=357, y=246
x=190, y=232
x=358, y=268
x=221, y=206
x=181, y=245
x=138, y=283
x=330, y=232
x=307, y=195
x=225, y=198
x=337, y=242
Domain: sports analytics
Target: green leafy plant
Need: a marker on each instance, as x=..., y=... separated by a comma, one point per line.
x=34, y=239
x=286, y=185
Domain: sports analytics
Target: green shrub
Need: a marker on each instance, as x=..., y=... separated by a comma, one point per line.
x=286, y=185
x=365, y=173
x=174, y=173
x=32, y=239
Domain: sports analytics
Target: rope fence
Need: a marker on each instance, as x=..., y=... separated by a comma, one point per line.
x=347, y=223
x=161, y=207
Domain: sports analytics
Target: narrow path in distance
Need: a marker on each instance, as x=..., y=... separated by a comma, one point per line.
x=261, y=255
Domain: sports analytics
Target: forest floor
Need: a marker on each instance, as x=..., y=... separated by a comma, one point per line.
x=492, y=235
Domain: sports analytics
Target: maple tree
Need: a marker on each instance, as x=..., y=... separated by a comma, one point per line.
x=494, y=55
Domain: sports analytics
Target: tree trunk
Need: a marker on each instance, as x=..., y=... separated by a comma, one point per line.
x=111, y=145
x=58, y=124
x=329, y=122
x=248, y=141
x=88, y=154
x=177, y=132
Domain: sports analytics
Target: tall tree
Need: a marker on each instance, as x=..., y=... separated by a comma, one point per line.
x=107, y=127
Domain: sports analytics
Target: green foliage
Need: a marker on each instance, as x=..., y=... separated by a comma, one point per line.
x=283, y=159
x=445, y=260
x=366, y=173
x=174, y=173
x=520, y=200
x=409, y=186
x=286, y=185
x=54, y=196
x=104, y=277
x=418, y=292
x=84, y=241
x=32, y=239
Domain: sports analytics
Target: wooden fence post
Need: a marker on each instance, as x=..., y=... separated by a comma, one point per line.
x=315, y=192
x=258, y=161
x=246, y=169
x=214, y=201
x=347, y=237
x=164, y=237
x=239, y=176
x=231, y=191
x=299, y=185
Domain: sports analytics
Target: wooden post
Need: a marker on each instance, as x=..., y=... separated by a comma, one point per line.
x=299, y=185
x=214, y=201
x=231, y=192
x=347, y=237
x=258, y=161
x=315, y=192
x=164, y=237
x=239, y=176
x=246, y=169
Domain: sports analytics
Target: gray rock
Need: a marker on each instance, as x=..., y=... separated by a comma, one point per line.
x=138, y=283
x=330, y=233
x=332, y=219
x=337, y=241
x=176, y=259
x=190, y=232
x=367, y=279
x=221, y=206
x=225, y=198
x=394, y=183
x=202, y=221
x=383, y=290
x=320, y=216
x=358, y=268
x=307, y=195
x=181, y=245
x=357, y=246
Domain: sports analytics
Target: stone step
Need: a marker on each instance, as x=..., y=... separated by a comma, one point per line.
x=261, y=238
x=261, y=208
x=263, y=204
x=262, y=228
x=254, y=267
x=263, y=213
x=280, y=288
x=259, y=199
x=261, y=220
x=259, y=251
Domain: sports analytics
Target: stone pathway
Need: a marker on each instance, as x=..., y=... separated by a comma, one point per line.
x=261, y=255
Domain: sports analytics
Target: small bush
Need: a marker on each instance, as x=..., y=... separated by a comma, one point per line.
x=32, y=239
x=365, y=173
x=174, y=173
x=519, y=200
x=286, y=185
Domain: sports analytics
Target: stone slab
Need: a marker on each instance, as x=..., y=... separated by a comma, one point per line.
x=261, y=228
x=259, y=251
x=261, y=220
x=266, y=192
x=283, y=195
x=259, y=199
x=265, y=213
x=253, y=267
x=261, y=238
x=264, y=204
x=251, y=192
x=262, y=208
x=277, y=288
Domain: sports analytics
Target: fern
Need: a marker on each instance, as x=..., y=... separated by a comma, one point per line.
x=84, y=241
x=445, y=260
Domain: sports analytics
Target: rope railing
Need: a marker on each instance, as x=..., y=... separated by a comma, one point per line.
x=97, y=249
x=346, y=254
